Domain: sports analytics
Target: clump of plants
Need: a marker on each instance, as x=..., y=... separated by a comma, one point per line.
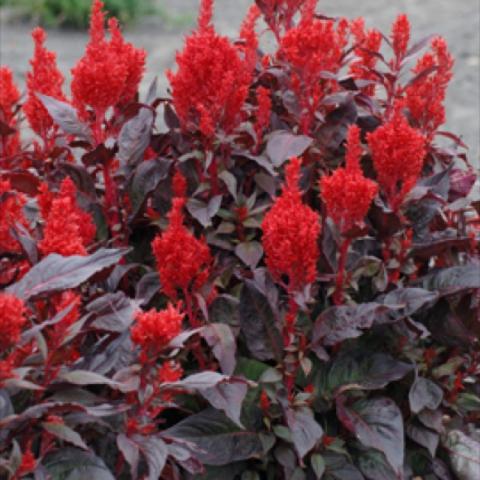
x=279, y=282
x=75, y=13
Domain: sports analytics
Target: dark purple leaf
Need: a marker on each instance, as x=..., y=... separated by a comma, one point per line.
x=221, y=340
x=417, y=46
x=76, y=464
x=6, y=129
x=118, y=274
x=359, y=370
x=100, y=155
x=304, y=430
x=64, y=433
x=374, y=465
x=222, y=392
x=6, y=407
x=155, y=451
x=83, y=180
x=441, y=470
x=114, y=312
x=424, y=437
x=340, y=323
x=146, y=179
x=216, y=439
x=65, y=116
x=338, y=467
x=29, y=246
x=421, y=75
x=453, y=137
x=84, y=377
x=258, y=324
x=377, y=423
x=130, y=451
x=408, y=301
x=453, y=279
x=204, y=212
x=283, y=145
x=424, y=393
x=134, y=138
x=250, y=253
x=56, y=273
x=461, y=183
x=432, y=419
x=147, y=288
x=24, y=181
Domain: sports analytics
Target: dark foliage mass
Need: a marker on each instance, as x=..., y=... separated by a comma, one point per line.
x=273, y=273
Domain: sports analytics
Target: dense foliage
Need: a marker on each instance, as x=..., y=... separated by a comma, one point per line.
x=75, y=13
x=271, y=274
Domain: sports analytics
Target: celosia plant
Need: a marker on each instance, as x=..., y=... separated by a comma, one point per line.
x=280, y=282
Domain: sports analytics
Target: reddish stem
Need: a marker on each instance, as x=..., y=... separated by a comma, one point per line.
x=338, y=294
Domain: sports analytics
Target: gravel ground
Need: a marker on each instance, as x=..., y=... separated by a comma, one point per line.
x=457, y=20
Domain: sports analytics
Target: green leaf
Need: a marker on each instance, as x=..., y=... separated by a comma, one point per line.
x=318, y=465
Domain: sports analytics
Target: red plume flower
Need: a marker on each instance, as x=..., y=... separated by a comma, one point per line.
x=313, y=47
x=367, y=45
x=9, y=97
x=425, y=97
x=68, y=229
x=290, y=233
x=183, y=261
x=12, y=320
x=347, y=193
x=400, y=36
x=44, y=78
x=110, y=71
x=398, y=152
x=11, y=214
x=264, y=111
x=212, y=80
x=132, y=58
x=154, y=329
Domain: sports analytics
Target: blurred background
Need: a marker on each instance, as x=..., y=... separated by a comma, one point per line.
x=159, y=26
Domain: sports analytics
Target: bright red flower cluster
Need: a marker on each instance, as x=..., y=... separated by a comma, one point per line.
x=154, y=329
x=212, y=80
x=68, y=229
x=9, y=97
x=264, y=111
x=110, y=71
x=368, y=44
x=398, y=151
x=400, y=36
x=312, y=47
x=425, y=97
x=44, y=78
x=11, y=214
x=347, y=193
x=183, y=261
x=290, y=234
x=12, y=320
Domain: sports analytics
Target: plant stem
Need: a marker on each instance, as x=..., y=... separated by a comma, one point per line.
x=338, y=294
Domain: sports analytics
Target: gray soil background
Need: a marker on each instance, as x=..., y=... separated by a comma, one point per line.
x=457, y=20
